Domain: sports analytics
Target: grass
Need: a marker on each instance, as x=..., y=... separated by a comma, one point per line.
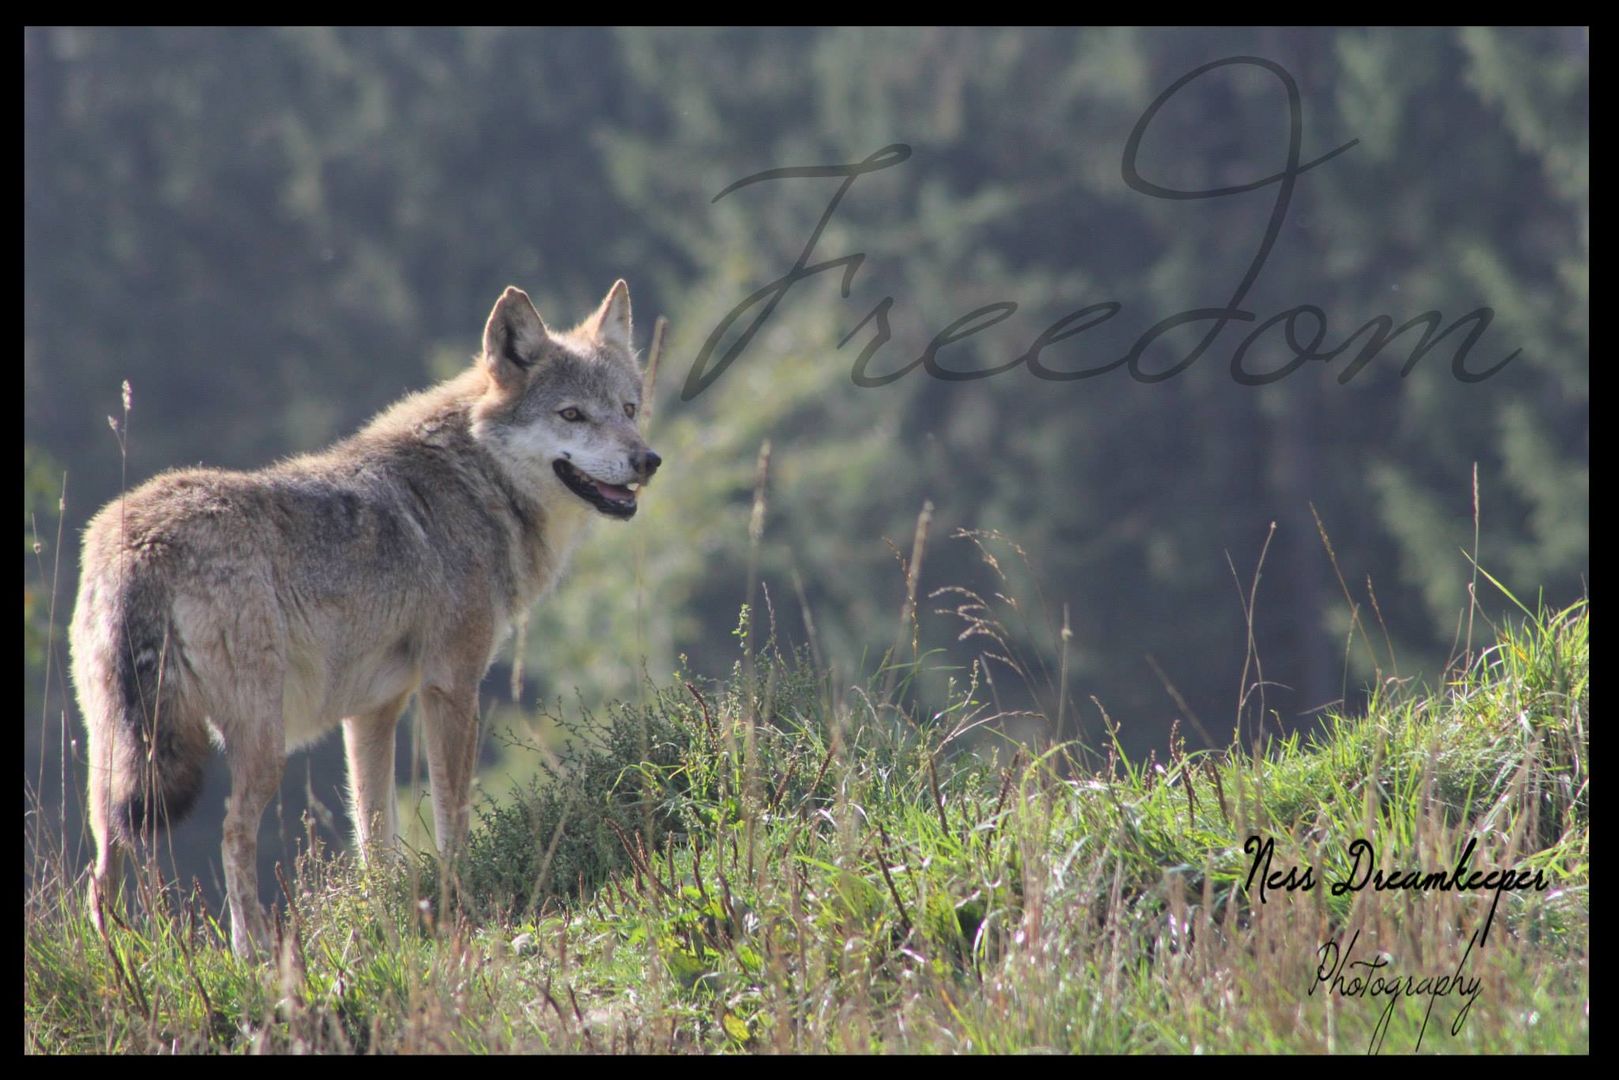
x=765, y=865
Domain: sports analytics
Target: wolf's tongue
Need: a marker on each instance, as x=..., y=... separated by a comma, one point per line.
x=615, y=492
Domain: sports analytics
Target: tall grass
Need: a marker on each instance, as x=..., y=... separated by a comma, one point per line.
x=902, y=894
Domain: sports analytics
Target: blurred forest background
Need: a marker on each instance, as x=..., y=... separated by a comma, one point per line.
x=274, y=234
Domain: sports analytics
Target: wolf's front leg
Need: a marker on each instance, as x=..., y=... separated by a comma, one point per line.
x=373, y=801
x=450, y=727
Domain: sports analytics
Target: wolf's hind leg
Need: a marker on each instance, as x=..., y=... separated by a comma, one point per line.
x=257, y=754
x=107, y=874
x=106, y=880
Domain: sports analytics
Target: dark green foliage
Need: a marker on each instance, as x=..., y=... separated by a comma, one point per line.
x=612, y=780
x=624, y=784
x=272, y=234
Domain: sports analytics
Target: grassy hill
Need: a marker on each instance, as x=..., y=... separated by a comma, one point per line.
x=762, y=864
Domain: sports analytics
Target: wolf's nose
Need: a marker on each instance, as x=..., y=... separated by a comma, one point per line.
x=646, y=463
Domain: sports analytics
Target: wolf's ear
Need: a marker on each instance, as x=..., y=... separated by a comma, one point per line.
x=514, y=338
x=611, y=322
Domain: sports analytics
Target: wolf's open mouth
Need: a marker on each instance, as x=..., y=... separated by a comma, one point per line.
x=614, y=500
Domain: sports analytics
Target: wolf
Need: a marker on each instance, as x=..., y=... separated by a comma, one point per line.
x=258, y=610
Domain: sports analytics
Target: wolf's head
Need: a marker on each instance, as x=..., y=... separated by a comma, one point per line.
x=560, y=411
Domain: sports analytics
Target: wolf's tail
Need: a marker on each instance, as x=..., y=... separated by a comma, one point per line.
x=148, y=743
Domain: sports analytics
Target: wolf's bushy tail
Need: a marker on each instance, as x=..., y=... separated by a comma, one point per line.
x=148, y=742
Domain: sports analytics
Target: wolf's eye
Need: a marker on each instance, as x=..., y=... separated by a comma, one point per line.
x=571, y=414
x=629, y=409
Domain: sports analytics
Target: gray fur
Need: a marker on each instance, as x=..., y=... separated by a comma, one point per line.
x=265, y=608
